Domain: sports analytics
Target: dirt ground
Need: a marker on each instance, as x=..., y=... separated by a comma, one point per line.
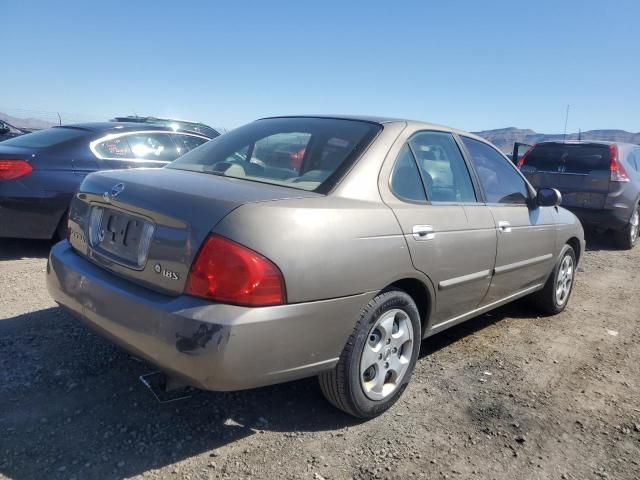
x=508, y=395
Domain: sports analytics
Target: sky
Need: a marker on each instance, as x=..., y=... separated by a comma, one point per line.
x=472, y=65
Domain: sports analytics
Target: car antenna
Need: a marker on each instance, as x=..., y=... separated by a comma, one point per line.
x=566, y=119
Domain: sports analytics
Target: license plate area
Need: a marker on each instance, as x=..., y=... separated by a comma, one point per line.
x=120, y=236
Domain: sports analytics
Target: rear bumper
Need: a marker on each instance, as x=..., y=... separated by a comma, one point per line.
x=207, y=345
x=607, y=219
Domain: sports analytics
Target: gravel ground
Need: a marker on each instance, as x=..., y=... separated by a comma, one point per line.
x=507, y=395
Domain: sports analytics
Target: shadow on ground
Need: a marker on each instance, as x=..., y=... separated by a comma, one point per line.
x=71, y=404
x=600, y=241
x=18, y=248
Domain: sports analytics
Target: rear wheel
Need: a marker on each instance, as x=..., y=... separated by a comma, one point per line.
x=554, y=296
x=378, y=359
x=628, y=237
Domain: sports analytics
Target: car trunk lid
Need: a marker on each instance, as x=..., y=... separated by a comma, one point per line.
x=147, y=225
x=580, y=171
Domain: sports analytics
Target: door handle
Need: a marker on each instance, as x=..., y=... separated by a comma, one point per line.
x=504, y=226
x=423, y=232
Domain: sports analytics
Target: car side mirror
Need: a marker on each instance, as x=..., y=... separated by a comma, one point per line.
x=548, y=197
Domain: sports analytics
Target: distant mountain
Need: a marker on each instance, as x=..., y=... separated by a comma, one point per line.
x=26, y=123
x=504, y=138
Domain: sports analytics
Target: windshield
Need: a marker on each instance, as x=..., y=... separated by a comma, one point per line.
x=303, y=153
x=45, y=138
x=568, y=158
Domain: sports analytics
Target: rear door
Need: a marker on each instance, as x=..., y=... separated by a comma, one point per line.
x=526, y=235
x=451, y=236
x=581, y=171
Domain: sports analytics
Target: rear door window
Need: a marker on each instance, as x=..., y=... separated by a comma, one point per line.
x=567, y=158
x=444, y=172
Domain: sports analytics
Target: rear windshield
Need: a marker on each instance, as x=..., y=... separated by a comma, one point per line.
x=45, y=138
x=567, y=158
x=303, y=153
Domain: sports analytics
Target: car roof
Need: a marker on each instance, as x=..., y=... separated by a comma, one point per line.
x=134, y=119
x=387, y=120
x=114, y=127
x=585, y=142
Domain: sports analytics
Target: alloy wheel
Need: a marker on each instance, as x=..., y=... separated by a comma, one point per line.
x=565, y=280
x=386, y=354
x=635, y=226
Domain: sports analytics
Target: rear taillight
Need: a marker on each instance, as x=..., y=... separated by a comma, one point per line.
x=618, y=173
x=10, y=169
x=522, y=159
x=231, y=273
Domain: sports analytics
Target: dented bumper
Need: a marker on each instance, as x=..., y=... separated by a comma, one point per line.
x=208, y=345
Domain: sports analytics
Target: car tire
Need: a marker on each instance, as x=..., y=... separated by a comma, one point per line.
x=628, y=237
x=554, y=296
x=387, y=336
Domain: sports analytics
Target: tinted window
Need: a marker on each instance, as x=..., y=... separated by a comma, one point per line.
x=46, y=138
x=186, y=143
x=302, y=153
x=443, y=169
x=114, y=148
x=152, y=146
x=567, y=158
x=405, y=178
x=500, y=181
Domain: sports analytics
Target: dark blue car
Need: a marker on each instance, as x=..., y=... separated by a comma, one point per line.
x=40, y=171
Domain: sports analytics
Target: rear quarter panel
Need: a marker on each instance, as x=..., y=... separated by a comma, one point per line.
x=33, y=205
x=326, y=247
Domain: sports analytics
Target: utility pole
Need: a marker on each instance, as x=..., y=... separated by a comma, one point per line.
x=566, y=119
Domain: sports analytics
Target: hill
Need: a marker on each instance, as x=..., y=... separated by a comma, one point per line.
x=504, y=138
x=26, y=123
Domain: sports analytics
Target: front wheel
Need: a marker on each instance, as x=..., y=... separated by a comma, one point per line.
x=378, y=359
x=554, y=296
x=628, y=237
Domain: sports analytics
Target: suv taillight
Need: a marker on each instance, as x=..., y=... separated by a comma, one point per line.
x=618, y=173
x=10, y=169
x=232, y=273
